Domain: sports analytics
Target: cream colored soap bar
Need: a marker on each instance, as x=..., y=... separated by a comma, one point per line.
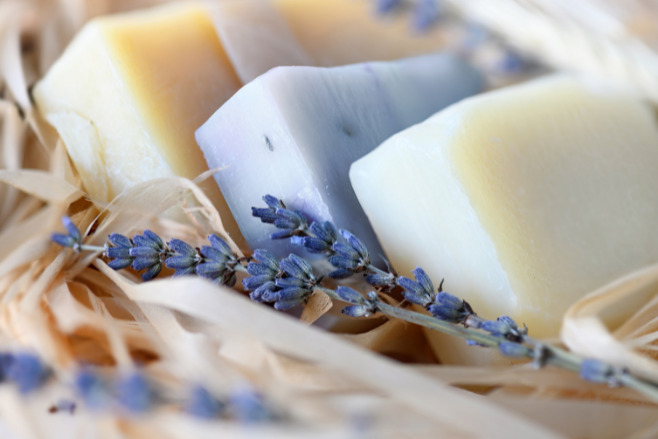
x=337, y=32
x=523, y=199
x=129, y=92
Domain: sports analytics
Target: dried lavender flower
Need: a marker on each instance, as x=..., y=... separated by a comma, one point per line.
x=149, y=252
x=25, y=370
x=72, y=238
x=596, y=371
x=218, y=262
x=134, y=393
x=419, y=292
x=513, y=350
x=386, y=6
x=449, y=308
x=321, y=240
x=297, y=286
x=289, y=221
x=264, y=273
x=349, y=258
x=183, y=259
x=248, y=406
x=426, y=14
x=202, y=404
x=118, y=249
x=93, y=389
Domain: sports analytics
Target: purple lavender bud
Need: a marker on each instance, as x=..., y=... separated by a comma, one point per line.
x=134, y=393
x=386, y=6
x=349, y=295
x=273, y=202
x=449, y=308
x=266, y=215
x=72, y=238
x=595, y=370
x=267, y=259
x=426, y=14
x=26, y=371
x=63, y=240
x=93, y=389
x=290, y=282
x=514, y=350
x=249, y=407
x=380, y=280
x=414, y=292
x=71, y=229
x=355, y=310
x=341, y=273
x=119, y=251
x=357, y=246
x=184, y=259
x=149, y=239
x=202, y=404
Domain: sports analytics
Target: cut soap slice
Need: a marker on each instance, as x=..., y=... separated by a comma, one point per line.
x=523, y=199
x=294, y=131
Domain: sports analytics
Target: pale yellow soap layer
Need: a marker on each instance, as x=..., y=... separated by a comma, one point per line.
x=129, y=92
x=523, y=199
x=336, y=32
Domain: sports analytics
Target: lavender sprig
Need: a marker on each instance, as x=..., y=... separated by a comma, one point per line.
x=148, y=253
x=290, y=282
x=134, y=393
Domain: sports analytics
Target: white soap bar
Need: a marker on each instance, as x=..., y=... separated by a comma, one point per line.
x=524, y=199
x=294, y=131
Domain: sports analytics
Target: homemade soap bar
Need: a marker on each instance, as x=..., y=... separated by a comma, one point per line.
x=524, y=199
x=129, y=92
x=294, y=131
x=337, y=32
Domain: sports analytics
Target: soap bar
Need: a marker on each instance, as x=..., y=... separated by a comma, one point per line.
x=337, y=32
x=294, y=131
x=524, y=199
x=256, y=37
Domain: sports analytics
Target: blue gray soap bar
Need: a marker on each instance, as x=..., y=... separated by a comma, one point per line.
x=293, y=132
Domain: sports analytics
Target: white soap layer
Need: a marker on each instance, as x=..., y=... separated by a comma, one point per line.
x=294, y=132
x=523, y=199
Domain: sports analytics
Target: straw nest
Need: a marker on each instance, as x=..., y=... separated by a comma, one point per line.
x=73, y=309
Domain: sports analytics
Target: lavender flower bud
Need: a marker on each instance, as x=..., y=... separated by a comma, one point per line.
x=93, y=390
x=202, y=404
x=184, y=259
x=514, y=350
x=595, y=370
x=134, y=393
x=355, y=310
x=349, y=295
x=26, y=371
x=119, y=251
x=420, y=292
x=72, y=238
x=249, y=407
